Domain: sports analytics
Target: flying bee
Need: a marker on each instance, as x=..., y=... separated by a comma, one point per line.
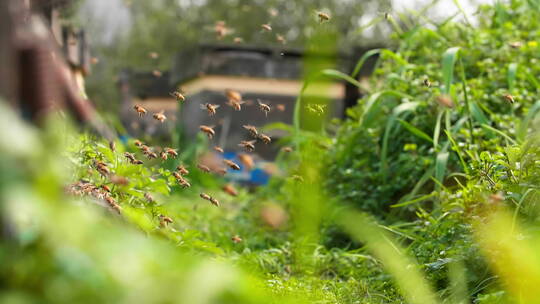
x=129, y=156
x=210, y=108
x=94, y=60
x=149, y=197
x=248, y=145
x=203, y=168
x=112, y=203
x=323, y=17
x=445, y=101
x=264, y=107
x=221, y=29
x=112, y=146
x=160, y=116
x=287, y=149
x=236, y=105
x=157, y=73
x=205, y=196
x=106, y=188
x=509, y=98
x=183, y=183
x=144, y=148
x=151, y=155
x=218, y=149
x=119, y=180
x=208, y=130
x=137, y=143
x=280, y=39
x=427, y=83
x=246, y=160
x=515, y=44
x=236, y=239
x=178, y=96
x=265, y=138
x=153, y=55
x=280, y=107
x=137, y=162
x=140, y=110
x=252, y=130
x=182, y=170
x=266, y=27
x=229, y=189
x=231, y=164
x=233, y=95
x=238, y=40
x=172, y=152
x=214, y=201
x=177, y=175
x=164, y=220
x=163, y=155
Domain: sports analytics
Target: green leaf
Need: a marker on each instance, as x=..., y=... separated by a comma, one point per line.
x=490, y=128
x=414, y=130
x=448, y=63
x=440, y=167
x=362, y=60
x=524, y=123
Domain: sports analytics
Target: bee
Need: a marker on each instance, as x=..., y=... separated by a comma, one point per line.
x=445, y=101
x=210, y=108
x=265, y=138
x=323, y=17
x=137, y=162
x=164, y=220
x=140, y=110
x=280, y=39
x=238, y=40
x=172, y=152
x=106, y=188
x=112, y=203
x=203, y=168
x=94, y=60
x=515, y=44
x=178, y=96
x=246, y=160
x=160, y=117
x=218, y=149
x=183, y=183
x=264, y=107
x=509, y=98
x=149, y=197
x=427, y=83
x=129, y=156
x=177, y=175
x=157, y=73
x=221, y=171
x=248, y=145
x=316, y=109
x=182, y=170
x=137, y=143
x=163, y=155
x=236, y=239
x=119, y=180
x=287, y=149
x=151, y=155
x=236, y=105
x=266, y=27
x=145, y=149
x=153, y=55
x=112, y=146
x=252, y=130
x=208, y=130
x=280, y=107
x=221, y=29
x=205, y=196
x=102, y=168
x=233, y=95
x=229, y=189
x=231, y=164
x=214, y=201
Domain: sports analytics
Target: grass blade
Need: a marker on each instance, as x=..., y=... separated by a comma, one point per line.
x=440, y=167
x=448, y=62
x=490, y=128
x=363, y=60
x=524, y=123
x=414, y=130
x=511, y=76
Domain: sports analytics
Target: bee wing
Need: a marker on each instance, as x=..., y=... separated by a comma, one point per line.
x=251, y=142
x=203, y=106
x=216, y=106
